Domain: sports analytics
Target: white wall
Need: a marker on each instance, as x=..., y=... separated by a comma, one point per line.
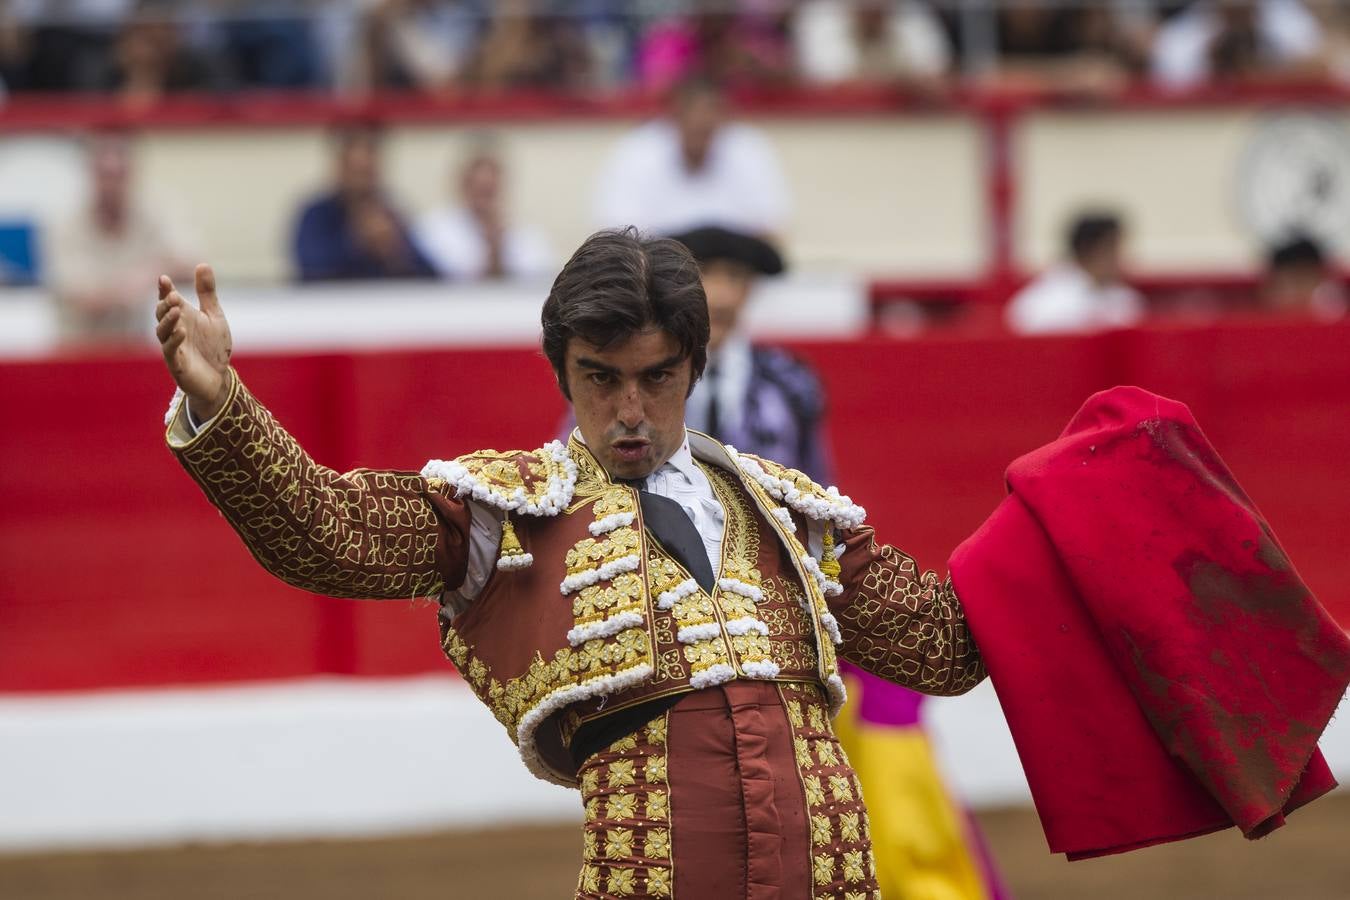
x=333, y=757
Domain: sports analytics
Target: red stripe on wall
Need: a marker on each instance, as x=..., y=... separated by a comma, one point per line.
x=115, y=572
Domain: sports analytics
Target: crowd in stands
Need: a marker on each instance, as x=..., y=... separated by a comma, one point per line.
x=143, y=49
x=693, y=167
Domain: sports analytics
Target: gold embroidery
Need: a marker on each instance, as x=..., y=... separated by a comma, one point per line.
x=618, y=843
x=848, y=828
x=655, y=772
x=621, y=806
x=590, y=878
x=820, y=830
x=837, y=818
x=823, y=868
x=658, y=882
x=361, y=533
x=588, y=841
x=908, y=628
x=657, y=845
x=621, y=770
x=639, y=845
x=620, y=882
x=853, y=866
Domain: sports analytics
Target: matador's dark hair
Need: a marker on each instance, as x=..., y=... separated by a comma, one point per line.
x=619, y=283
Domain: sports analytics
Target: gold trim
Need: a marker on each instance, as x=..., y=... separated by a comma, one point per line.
x=235, y=384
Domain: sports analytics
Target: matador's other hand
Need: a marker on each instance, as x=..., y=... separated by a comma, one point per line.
x=196, y=342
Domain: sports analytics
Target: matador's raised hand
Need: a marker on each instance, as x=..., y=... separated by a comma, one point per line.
x=196, y=342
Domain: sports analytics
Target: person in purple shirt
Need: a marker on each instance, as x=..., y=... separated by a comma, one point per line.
x=353, y=231
x=765, y=401
x=760, y=399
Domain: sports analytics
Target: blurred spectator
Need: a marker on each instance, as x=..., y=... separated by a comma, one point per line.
x=889, y=41
x=353, y=230
x=58, y=45
x=1084, y=293
x=420, y=44
x=733, y=42
x=1334, y=18
x=694, y=168
x=1300, y=279
x=1238, y=39
x=103, y=261
x=523, y=49
x=1079, y=48
x=474, y=240
x=267, y=44
x=759, y=399
x=149, y=59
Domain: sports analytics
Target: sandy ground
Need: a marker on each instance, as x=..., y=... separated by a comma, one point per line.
x=1309, y=859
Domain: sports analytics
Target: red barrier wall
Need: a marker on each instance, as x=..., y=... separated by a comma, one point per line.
x=114, y=571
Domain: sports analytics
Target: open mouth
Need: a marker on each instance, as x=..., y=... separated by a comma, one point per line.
x=631, y=449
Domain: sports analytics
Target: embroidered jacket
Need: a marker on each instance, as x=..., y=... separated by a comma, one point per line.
x=587, y=614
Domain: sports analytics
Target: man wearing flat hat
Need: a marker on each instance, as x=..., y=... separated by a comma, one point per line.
x=760, y=399
x=765, y=401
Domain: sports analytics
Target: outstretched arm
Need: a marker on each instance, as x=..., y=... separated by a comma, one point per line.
x=901, y=624
x=362, y=533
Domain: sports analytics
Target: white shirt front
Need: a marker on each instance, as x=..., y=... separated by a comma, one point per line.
x=728, y=374
x=646, y=183
x=1065, y=299
x=453, y=242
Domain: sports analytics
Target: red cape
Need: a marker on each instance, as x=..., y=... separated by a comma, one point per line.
x=1163, y=669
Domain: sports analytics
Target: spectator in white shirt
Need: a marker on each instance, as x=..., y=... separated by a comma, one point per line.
x=694, y=168
x=1084, y=293
x=474, y=241
x=1248, y=39
x=840, y=42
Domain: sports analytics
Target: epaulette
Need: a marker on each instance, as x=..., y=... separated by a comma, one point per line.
x=800, y=493
x=527, y=482
x=823, y=504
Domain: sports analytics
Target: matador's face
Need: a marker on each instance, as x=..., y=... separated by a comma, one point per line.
x=629, y=400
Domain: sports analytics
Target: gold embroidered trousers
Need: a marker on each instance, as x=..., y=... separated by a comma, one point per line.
x=738, y=791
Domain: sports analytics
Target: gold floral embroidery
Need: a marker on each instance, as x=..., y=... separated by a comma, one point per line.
x=620, y=773
x=657, y=845
x=658, y=882
x=620, y=882
x=823, y=868
x=621, y=806
x=590, y=878
x=634, y=833
x=853, y=866
x=849, y=829
x=618, y=843
x=820, y=829
x=658, y=807
x=656, y=730
x=837, y=819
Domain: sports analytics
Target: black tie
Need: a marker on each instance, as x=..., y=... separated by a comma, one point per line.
x=714, y=423
x=671, y=525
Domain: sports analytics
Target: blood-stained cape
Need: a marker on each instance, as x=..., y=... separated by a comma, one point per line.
x=1164, y=671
